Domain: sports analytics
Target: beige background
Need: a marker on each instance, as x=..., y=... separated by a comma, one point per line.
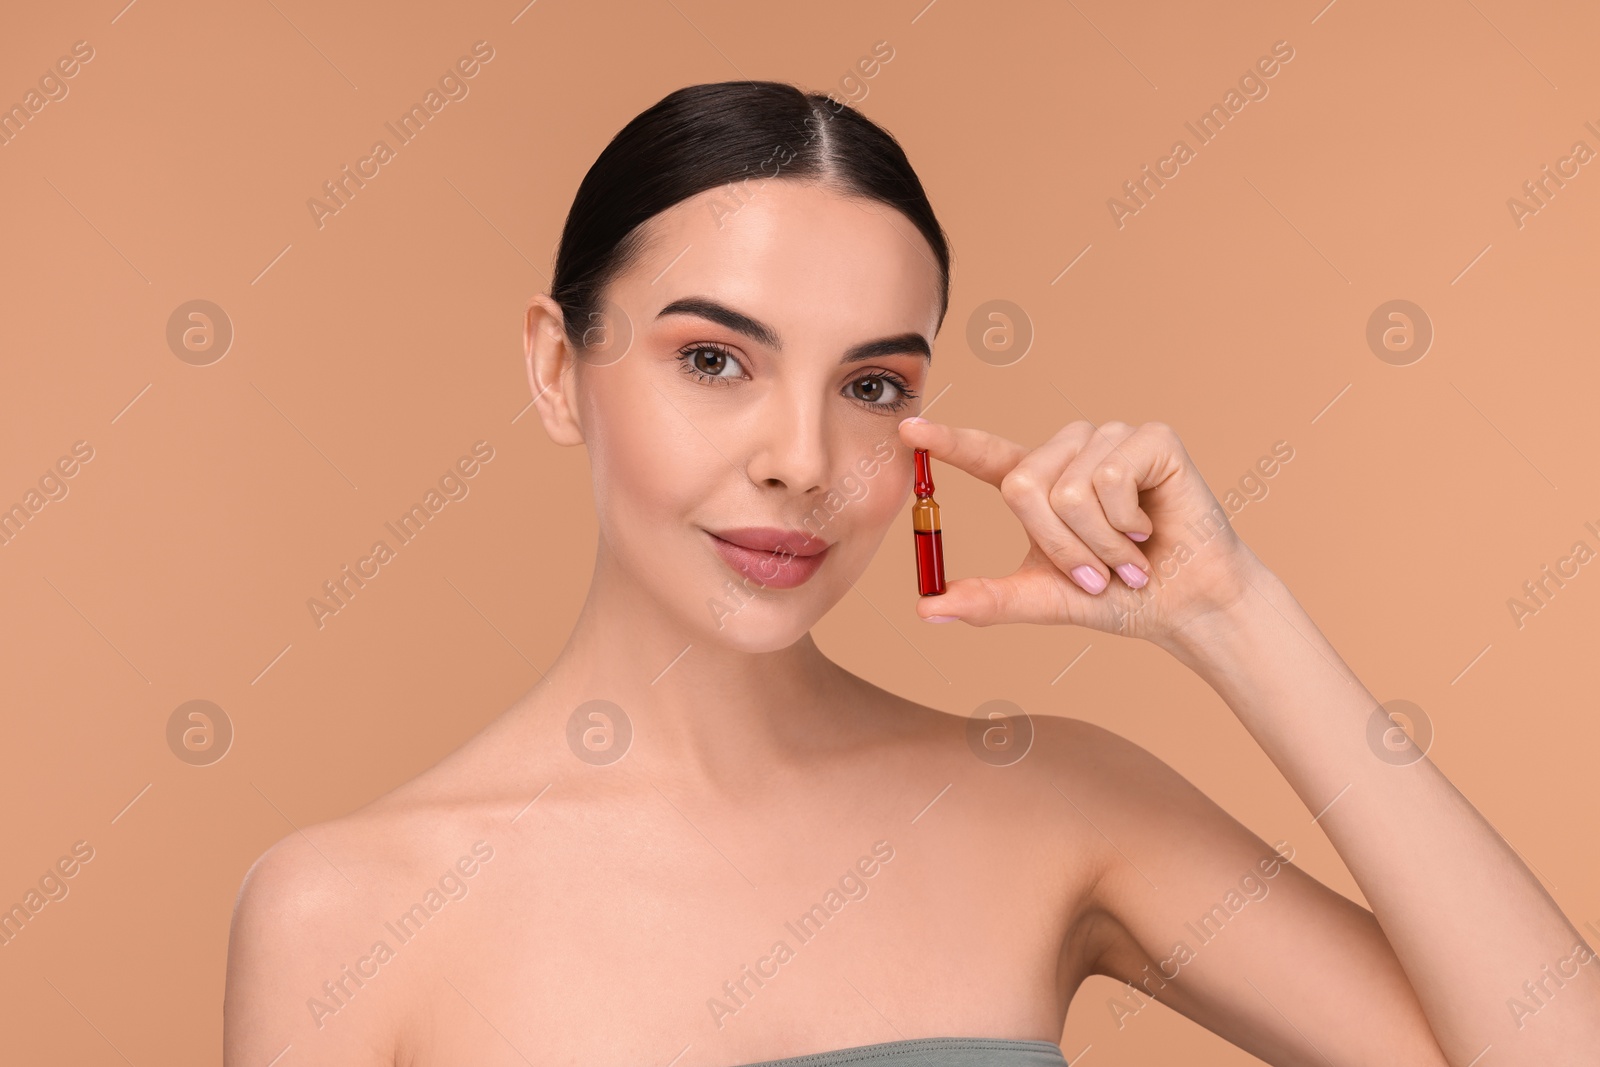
x=370, y=353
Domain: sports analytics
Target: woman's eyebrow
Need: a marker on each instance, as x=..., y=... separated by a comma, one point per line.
x=903, y=344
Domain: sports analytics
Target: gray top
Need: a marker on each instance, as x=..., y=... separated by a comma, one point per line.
x=934, y=1052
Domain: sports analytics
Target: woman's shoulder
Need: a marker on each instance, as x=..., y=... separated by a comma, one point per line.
x=1015, y=753
x=1002, y=733
x=319, y=908
x=1088, y=786
x=341, y=862
x=321, y=875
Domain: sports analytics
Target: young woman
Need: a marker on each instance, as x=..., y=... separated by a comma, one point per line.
x=698, y=841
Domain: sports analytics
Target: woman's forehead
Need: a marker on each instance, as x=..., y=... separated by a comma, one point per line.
x=793, y=255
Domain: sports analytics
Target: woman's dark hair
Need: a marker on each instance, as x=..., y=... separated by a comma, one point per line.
x=703, y=136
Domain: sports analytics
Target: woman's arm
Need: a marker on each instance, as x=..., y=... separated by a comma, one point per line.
x=1474, y=930
x=1194, y=911
x=1471, y=928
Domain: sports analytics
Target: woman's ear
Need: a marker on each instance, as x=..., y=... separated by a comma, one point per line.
x=551, y=370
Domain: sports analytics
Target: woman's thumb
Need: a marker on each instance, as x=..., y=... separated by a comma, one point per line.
x=976, y=601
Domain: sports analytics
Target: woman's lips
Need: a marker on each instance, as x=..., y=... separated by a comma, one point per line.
x=775, y=570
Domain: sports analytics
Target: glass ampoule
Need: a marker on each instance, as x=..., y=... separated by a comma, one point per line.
x=925, y=527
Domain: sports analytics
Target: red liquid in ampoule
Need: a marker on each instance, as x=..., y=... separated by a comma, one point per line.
x=930, y=563
x=925, y=527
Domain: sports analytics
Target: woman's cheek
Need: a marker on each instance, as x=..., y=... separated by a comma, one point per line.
x=639, y=428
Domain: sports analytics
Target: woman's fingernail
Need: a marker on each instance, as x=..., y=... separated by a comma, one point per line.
x=941, y=618
x=1131, y=574
x=1135, y=536
x=1087, y=577
x=913, y=418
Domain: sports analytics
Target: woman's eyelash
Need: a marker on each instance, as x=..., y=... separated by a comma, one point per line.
x=686, y=364
x=906, y=395
x=686, y=361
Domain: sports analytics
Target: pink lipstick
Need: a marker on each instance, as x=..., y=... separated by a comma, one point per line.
x=772, y=557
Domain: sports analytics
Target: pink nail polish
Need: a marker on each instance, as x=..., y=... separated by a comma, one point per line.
x=941, y=618
x=1087, y=577
x=1131, y=574
x=1136, y=536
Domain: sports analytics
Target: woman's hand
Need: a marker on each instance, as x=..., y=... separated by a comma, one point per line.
x=1124, y=535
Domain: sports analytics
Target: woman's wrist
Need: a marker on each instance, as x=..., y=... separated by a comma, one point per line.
x=1220, y=628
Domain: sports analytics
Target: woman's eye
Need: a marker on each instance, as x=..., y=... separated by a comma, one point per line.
x=709, y=362
x=872, y=389
x=715, y=365
x=872, y=392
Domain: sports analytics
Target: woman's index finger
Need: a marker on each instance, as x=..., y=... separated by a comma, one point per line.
x=978, y=452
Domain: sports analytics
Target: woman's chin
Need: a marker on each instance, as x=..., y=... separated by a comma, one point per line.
x=760, y=628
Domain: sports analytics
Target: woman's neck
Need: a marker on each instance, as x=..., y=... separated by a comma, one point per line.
x=698, y=710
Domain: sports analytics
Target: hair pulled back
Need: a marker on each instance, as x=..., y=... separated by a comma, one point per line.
x=703, y=136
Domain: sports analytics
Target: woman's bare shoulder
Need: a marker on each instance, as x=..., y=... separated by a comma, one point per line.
x=1111, y=778
x=305, y=913
x=314, y=905
x=1092, y=755
x=400, y=833
x=1085, y=767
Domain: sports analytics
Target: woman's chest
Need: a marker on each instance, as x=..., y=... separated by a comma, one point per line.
x=682, y=937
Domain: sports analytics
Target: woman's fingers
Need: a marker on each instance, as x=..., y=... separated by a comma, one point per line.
x=1030, y=594
x=1091, y=500
x=1078, y=498
x=980, y=453
x=1118, y=476
x=1063, y=491
x=1097, y=494
x=1024, y=479
x=1027, y=490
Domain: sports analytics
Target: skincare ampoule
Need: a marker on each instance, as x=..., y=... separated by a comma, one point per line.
x=925, y=526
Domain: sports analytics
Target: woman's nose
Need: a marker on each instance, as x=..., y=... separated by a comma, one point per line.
x=790, y=447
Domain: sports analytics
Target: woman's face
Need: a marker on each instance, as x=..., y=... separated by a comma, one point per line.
x=753, y=369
